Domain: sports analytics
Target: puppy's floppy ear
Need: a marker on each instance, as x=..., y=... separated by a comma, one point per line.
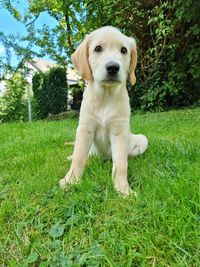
x=133, y=61
x=80, y=60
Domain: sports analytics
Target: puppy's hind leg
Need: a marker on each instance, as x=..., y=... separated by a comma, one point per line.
x=138, y=144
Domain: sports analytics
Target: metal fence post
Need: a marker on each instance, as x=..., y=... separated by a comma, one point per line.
x=29, y=102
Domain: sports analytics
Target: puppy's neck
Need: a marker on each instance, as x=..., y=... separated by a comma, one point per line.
x=105, y=90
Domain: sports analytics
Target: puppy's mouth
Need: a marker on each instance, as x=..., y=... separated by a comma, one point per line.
x=111, y=80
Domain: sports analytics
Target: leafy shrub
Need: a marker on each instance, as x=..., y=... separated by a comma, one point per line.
x=40, y=108
x=167, y=34
x=50, y=92
x=13, y=104
x=57, y=90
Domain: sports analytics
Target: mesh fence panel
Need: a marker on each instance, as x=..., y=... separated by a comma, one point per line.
x=47, y=95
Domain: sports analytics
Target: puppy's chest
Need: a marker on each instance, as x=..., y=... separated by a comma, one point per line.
x=105, y=115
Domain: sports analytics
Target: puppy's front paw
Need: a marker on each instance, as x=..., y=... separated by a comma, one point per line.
x=68, y=179
x=62, y=183
x=124, y=190
x=122, y=187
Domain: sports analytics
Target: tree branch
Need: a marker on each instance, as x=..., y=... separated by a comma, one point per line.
x=33, y=20
x=69, y=32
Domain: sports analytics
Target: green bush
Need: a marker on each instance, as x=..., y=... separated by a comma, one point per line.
x=50, y=92
x=167, y=35
x=40, y=107
x=172, y=78
x=13, y=103
x=57, y=90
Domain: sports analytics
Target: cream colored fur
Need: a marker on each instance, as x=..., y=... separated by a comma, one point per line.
x=105, y=111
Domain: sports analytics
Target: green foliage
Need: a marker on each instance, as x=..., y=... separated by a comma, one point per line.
x=57, y=40
x=56, y=230
x=57, y=90
x=167, y=34
x=50, y=92
x=30, y=259
x=173, y=77
x=13, y=104
x=41, y=108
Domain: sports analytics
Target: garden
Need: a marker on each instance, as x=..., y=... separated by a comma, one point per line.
x=89, y=224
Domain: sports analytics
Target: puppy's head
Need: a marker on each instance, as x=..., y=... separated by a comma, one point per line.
x=106, y=56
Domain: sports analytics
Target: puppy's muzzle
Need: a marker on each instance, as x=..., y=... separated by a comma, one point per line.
x=112, y=68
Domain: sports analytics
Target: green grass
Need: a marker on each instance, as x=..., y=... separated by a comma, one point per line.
x=90, y=225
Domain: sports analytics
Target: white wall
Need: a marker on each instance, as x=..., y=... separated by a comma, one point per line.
x=32, y=71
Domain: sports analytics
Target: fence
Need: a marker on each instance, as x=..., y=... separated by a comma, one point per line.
x=48, y=95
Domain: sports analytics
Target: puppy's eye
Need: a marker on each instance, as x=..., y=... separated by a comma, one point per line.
x=98, y=49
x=123, y=50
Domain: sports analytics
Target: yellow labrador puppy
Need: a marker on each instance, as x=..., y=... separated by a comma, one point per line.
x=104, y=59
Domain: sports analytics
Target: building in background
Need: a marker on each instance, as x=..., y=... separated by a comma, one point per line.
x=36, y=65
x=42, y=65
x=2, y=87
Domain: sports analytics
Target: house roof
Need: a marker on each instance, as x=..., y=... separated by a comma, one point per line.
x=42, y=64
x=72, y=76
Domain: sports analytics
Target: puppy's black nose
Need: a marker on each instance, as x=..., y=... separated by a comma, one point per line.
x=112, y=67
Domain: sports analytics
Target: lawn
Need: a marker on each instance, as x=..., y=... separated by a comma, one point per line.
x=90, y=224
